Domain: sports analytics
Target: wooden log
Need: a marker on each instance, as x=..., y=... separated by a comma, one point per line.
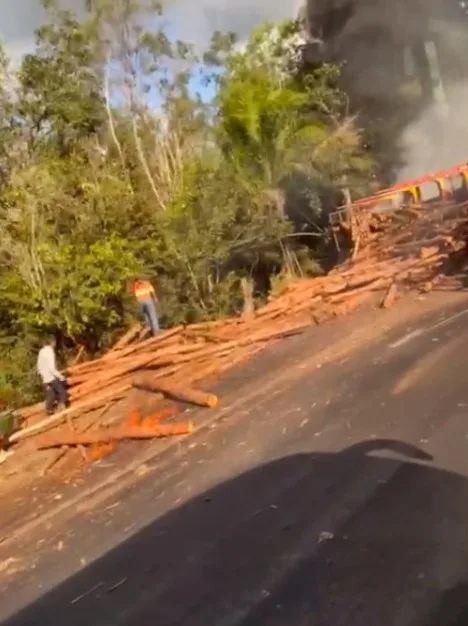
x=36, y=411
x=434, y=259
x=376, y=285
x=323, y=314
x=334, y=287
x=210, y=325
x=29, y=412
x=432, y=242
x=164, y=364
x=190, y=373
x=309, y=289
x=425, y=253
x=147, y=345
x=374, y=264
x=367, y=279
x=95, y=418
x=305, y=305
x=78, y=355
x=129, y=364
x=102, y=367
x=426, y=287
x=144, y=332
x=80, y=393
x=353, y=303
x=176, y=391
x=390, y=296
x=86, y=368
x=285, y=307
x=51, y=462
x=108, y=435
x=305, y=284
x=53, y=420
x=142, y=347
x=127, y=338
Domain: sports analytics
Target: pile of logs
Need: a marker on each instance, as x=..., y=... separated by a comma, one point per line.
x=405, y=251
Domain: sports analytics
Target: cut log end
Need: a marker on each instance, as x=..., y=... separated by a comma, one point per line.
x=212, y=401
x=390, y=296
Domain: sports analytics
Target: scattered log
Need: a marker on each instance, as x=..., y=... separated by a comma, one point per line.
x=147, y=345
x=406, y=251
x=127, y=365
x=129, y=336
x=427, y=252
x=109, y=435
x=176, y=391
x=390, y=296
x=143, y=347
x=375, y=285
x=80, y=407
x=53, y=460
x=78, y=355
x=426, y=287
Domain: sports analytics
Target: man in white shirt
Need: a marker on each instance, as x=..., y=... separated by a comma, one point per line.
x=54, y=381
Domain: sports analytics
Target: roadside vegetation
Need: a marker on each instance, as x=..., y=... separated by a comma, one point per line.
x=123, y=153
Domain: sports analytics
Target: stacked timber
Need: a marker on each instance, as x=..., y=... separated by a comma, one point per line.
x=405, y=251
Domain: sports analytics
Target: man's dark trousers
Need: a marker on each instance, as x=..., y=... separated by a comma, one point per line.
x=56, y=393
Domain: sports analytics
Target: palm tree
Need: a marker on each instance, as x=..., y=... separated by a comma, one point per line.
x=271, y=131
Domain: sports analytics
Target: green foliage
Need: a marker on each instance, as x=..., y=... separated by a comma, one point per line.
x=59, y=90
x=275, y=130
x=98, y=187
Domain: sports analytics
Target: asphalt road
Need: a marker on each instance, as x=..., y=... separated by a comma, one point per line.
x=341, y=500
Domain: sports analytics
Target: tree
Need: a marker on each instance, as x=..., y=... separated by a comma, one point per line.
x=59, y=95
x=275, y=127
x=116, y=167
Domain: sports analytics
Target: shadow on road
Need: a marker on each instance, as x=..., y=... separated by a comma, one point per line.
x=351, y=538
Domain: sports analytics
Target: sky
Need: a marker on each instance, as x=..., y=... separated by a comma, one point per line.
x=190, y=20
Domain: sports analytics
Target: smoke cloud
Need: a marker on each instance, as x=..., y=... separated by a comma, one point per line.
x=438, y=138
x=384, y=45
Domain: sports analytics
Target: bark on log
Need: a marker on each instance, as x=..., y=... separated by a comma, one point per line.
x=79, y=354
x=127, y=338
x=148, y=344
x=376, y=285
x=165, y=356
x=176, y=391
x=108, y=435
x=426, y=253
x=142, y=347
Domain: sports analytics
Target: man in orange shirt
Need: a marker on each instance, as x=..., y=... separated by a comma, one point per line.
x=146, y=297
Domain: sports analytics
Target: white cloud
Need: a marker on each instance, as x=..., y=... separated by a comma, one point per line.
x=191, y=20
x=19, y=19
x=195, y=20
